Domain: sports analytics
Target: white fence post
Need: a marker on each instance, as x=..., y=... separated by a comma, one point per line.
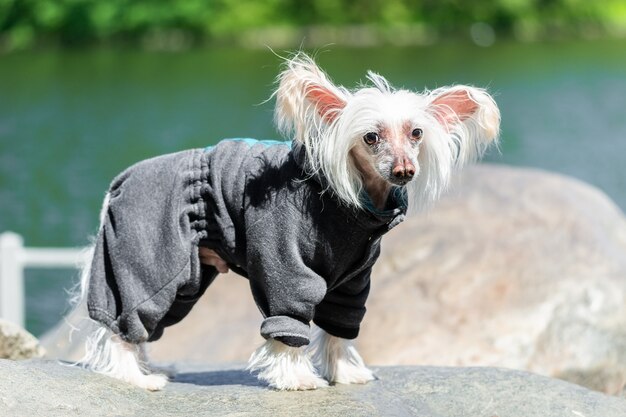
x=12, y=278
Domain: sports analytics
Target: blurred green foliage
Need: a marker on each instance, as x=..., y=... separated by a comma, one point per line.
x=25, y=23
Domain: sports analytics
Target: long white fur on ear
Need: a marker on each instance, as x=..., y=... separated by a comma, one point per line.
x=464, y=121
x=309, y=106
x=470, y=116
x=306, y=100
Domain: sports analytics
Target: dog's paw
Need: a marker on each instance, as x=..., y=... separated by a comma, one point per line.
x=300, y=381
x=284, y=367
x=338, y=360
x=350, y=373
x=152, y=382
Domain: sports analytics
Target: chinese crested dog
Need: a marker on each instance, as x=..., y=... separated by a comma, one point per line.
x=302, y=220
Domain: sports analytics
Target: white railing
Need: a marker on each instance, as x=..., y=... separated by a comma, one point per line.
x=14, y=257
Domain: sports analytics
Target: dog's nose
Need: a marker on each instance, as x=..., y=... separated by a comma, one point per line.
x=404, y=171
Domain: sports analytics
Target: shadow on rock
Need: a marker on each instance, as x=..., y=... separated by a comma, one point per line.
x=217, y=378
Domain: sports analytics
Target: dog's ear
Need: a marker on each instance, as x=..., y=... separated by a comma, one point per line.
x=327, y=104
x=469, y=105
x=306, y=98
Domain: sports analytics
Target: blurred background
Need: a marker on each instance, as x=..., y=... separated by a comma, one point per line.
x=89, y=87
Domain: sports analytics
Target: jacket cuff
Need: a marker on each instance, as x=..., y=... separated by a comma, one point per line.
x=288, y=330
x=338, y=331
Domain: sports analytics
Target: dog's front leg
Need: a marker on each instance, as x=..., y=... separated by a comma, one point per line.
x=285, y=367
x=338, y=360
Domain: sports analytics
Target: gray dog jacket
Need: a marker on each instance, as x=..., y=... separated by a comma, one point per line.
x=306, y=255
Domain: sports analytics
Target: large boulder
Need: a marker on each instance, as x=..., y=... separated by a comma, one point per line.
x=516, y=268
x=16, y=343
x=39, y=388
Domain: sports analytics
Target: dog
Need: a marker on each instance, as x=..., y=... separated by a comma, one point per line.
x=301, y=219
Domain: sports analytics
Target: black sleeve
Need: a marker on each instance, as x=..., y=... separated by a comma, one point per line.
x=340, y=313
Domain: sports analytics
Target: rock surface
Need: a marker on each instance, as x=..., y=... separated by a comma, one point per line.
x=47, y=388
x=16, y=343
x=516, y=268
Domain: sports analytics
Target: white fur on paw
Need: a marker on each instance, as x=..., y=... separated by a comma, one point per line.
x=338, y=360
x=284, y=367
x=295, y=381
x=350, y=373
x=109, y=355
x=152, y=382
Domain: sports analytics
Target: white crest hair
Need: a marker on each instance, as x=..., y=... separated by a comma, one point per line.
x=330, y=130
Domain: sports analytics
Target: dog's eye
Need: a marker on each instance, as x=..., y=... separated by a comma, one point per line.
x=371, y=138
x=416, y=134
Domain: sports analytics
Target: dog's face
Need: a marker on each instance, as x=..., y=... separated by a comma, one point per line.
x=390, y=127
x=393, y=150
x=380, y=134
x=388, y=132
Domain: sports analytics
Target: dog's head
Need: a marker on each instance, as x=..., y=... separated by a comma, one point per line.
x=377, y=133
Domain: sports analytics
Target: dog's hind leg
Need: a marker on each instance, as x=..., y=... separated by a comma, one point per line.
x=109, y=355
x=338, y=360
x=285, y=367
x=105, y=352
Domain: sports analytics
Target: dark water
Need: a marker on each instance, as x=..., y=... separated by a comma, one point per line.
x=70, y=121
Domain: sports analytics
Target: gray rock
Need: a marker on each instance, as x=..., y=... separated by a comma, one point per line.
x=16, y=343
x=515, y=268
x=51, y=389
